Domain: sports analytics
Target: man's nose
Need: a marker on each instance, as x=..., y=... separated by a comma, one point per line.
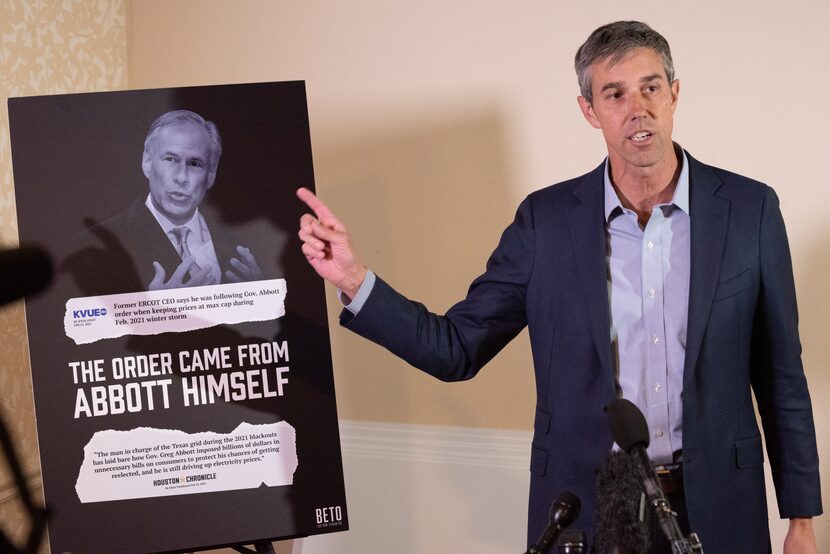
x=639, y=107
x=181, y=176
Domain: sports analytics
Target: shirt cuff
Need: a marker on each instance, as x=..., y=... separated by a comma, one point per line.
x=362, y=294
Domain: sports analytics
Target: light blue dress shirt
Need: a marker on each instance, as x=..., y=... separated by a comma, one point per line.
x=648, y=293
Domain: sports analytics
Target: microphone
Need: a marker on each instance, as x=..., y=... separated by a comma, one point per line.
x=628, y=424
x=572, y=542
x=563, y=512
x=630, y=431
x=23, y=271
x=621, y=528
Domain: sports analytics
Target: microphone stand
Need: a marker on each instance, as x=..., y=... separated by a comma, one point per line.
x=666, y=517
x=545, y=542
x=629, y=430
x=37, y=514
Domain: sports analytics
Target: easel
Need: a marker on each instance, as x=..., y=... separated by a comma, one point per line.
x=261, y=547
x=267, y=547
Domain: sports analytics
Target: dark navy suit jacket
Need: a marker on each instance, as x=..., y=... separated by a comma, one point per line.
x=549, y=273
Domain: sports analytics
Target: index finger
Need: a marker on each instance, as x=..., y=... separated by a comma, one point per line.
x=322, y=211
x=182, y=269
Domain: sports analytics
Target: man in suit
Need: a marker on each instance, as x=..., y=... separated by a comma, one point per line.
x=164, y=241
x=655, y=278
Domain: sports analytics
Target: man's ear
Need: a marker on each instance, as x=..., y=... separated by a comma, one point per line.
x=588, y=112
x=675, y=93
x=145, y=164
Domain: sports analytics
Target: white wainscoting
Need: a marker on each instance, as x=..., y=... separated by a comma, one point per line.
x=429, y=489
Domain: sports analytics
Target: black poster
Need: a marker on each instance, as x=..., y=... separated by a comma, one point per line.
x=180, y=359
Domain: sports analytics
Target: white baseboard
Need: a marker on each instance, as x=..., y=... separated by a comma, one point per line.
x=423, y=488
x=434, y=444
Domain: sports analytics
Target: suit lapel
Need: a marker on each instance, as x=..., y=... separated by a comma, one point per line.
x=587, y=223
x=709, y=218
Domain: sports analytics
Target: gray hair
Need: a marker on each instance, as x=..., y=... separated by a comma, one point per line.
x=179, y=116
x=615, y=41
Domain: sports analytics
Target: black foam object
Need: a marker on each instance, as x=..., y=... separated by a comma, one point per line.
x=619, y=494
x=627, y=423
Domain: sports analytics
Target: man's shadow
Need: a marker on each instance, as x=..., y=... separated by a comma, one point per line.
x=99, y=264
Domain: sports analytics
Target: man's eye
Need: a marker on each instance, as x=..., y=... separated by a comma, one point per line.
x=169, y=158
x=195, y=163
x=651, y=89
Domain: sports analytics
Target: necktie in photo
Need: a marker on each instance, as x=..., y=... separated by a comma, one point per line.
x=181, y=234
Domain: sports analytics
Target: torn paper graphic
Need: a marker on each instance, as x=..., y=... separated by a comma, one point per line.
x=92, y=318
x=146, y=462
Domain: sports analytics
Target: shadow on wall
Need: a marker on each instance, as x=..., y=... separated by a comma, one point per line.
x=426, y=204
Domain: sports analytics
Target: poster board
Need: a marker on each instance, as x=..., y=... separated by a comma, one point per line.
x=194, y=416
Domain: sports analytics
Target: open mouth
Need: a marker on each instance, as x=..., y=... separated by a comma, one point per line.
x=178, y=196
x=640, y=136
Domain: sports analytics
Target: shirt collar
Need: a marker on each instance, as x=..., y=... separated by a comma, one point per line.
x=681, y=192
x=167, y=225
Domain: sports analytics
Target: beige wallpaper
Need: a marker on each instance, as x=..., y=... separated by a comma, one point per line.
x=46, y=47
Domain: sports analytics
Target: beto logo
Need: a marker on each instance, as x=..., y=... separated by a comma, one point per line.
x=96, y=312
x=329, y=516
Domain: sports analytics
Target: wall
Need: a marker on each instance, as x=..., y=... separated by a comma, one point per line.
x=453, y=490
x=405, y=117
x=431, y=120
x=45, y=48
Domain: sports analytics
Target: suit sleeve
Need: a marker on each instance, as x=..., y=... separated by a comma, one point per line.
x=454, y=346
x=778, y=376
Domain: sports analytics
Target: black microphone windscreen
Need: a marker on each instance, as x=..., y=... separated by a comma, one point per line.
x=628, y=424
x=23, y=271
x=619, y=493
